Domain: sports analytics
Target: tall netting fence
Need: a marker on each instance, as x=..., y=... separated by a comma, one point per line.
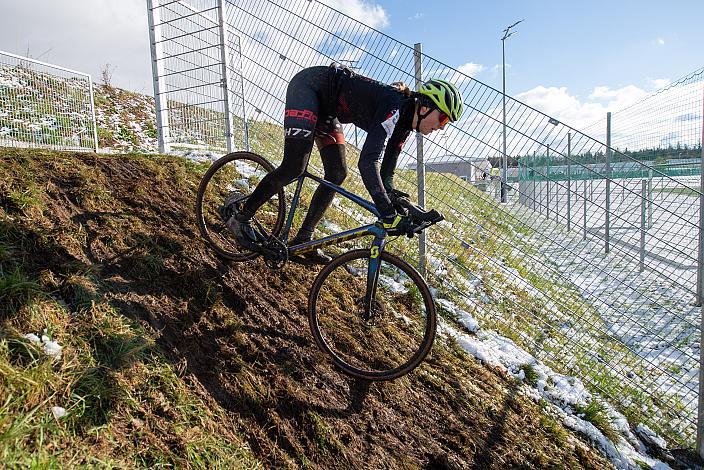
x=198, y=87
x=45, y=106
x=626, y=327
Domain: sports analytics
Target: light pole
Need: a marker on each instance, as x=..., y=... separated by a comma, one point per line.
x=504, y=163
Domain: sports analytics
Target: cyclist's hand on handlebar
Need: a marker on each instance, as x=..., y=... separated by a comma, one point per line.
x=397, y=224
x=399, y=200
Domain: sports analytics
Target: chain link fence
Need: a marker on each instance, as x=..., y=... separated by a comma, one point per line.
x=520, y=268
x=45, y=106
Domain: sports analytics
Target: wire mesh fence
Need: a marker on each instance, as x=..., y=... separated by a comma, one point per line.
x=521, y=268
x=653, y=211
x=44, y=105
x=197, y=79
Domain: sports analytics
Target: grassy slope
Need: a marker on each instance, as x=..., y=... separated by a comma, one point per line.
x=172, y=357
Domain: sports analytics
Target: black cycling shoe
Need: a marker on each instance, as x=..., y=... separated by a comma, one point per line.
x=230, y=206
x=244, y=233
x=309, y=258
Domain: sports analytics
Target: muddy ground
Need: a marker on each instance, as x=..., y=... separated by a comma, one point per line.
x=241, y=332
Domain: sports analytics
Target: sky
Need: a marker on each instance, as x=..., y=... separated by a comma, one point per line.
x=596, y=56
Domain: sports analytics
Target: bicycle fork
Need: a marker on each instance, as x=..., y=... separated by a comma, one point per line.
x=373, y=271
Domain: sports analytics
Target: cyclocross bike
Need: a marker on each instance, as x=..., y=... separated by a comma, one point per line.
x=368, y=309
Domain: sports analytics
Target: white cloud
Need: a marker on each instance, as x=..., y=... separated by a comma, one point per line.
x=370, y=14
x=637, y=122
x=660, y=41
x=618, y=98
x=496, y=70
x=658, y=83
x=417, y=16
x=560, y=104
x=471, y=69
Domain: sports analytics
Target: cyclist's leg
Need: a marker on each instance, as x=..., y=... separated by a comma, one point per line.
x=331, y=144
x=300, y=119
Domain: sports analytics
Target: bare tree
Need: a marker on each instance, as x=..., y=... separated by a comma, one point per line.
x=106, y=74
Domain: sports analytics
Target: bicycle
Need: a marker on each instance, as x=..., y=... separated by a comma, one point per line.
x=368, y=309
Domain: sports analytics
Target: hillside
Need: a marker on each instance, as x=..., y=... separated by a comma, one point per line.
x=171, y=357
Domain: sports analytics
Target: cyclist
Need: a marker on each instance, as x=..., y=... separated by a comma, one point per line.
x=318, y=99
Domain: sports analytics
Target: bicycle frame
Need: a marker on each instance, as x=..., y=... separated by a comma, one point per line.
x=370, y=229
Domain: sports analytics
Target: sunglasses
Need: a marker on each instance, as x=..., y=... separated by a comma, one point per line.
x=443, y=118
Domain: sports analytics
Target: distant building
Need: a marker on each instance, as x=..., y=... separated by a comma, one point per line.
x=470, y=169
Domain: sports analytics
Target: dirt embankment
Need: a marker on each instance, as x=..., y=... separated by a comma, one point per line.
x=240, y=333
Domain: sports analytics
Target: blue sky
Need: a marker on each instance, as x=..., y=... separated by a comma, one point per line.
x=578, y=45
x=572, y=60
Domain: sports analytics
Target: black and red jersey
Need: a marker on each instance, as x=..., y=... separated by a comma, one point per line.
x=319, y=98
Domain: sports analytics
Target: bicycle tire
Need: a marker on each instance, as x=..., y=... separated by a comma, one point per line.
x=333, y=317
x=235, y=172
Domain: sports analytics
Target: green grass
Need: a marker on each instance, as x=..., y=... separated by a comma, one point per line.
x=16, y=290
x=531, y=376
x=113, y=382
x=595, y=412
x=124, y=398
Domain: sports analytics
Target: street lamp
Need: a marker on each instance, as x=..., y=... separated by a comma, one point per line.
x=504, y=165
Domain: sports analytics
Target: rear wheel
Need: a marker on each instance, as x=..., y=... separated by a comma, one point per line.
x=234, y=177
x=401, y=328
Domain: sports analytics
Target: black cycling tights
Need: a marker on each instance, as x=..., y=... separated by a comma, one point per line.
x=296, y=155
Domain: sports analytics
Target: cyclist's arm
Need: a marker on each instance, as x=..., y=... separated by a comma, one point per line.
x=369, y=164
x=393, y=150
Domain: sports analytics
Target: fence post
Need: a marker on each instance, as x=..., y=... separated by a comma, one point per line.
x=160, y=101
x=584, y=237
x=700, y=262
x=650, y=198
x=700, y=290
x=607, y=221
x=569, y=181
x=92, y=112
x=420, y=164
x=225, y=80
x=245, y=124
x=643, y=227
x=547, y=177
x=534, y=179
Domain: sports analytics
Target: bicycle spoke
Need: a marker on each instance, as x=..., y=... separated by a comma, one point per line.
x=394, y=333
x=234, y=177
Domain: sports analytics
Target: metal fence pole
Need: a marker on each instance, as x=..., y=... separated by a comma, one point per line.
x=569, y=181
x=643, y=227
x=650, y=198
x=607, y=220
x=585, y=210
x=92, y=113
x=420, y=164
x=160, y=101
x=535, y=182
x=700, y=263
x=226, y=84
x=245, y=124
x=547, y=176
x=700, y=290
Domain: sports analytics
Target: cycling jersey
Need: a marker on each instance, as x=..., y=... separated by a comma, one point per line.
x=319, y=98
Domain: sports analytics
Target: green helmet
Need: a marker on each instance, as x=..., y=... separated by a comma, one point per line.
x=444, y=96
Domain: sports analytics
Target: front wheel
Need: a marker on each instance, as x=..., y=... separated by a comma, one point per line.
x=396, y=336
x=234, y=177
